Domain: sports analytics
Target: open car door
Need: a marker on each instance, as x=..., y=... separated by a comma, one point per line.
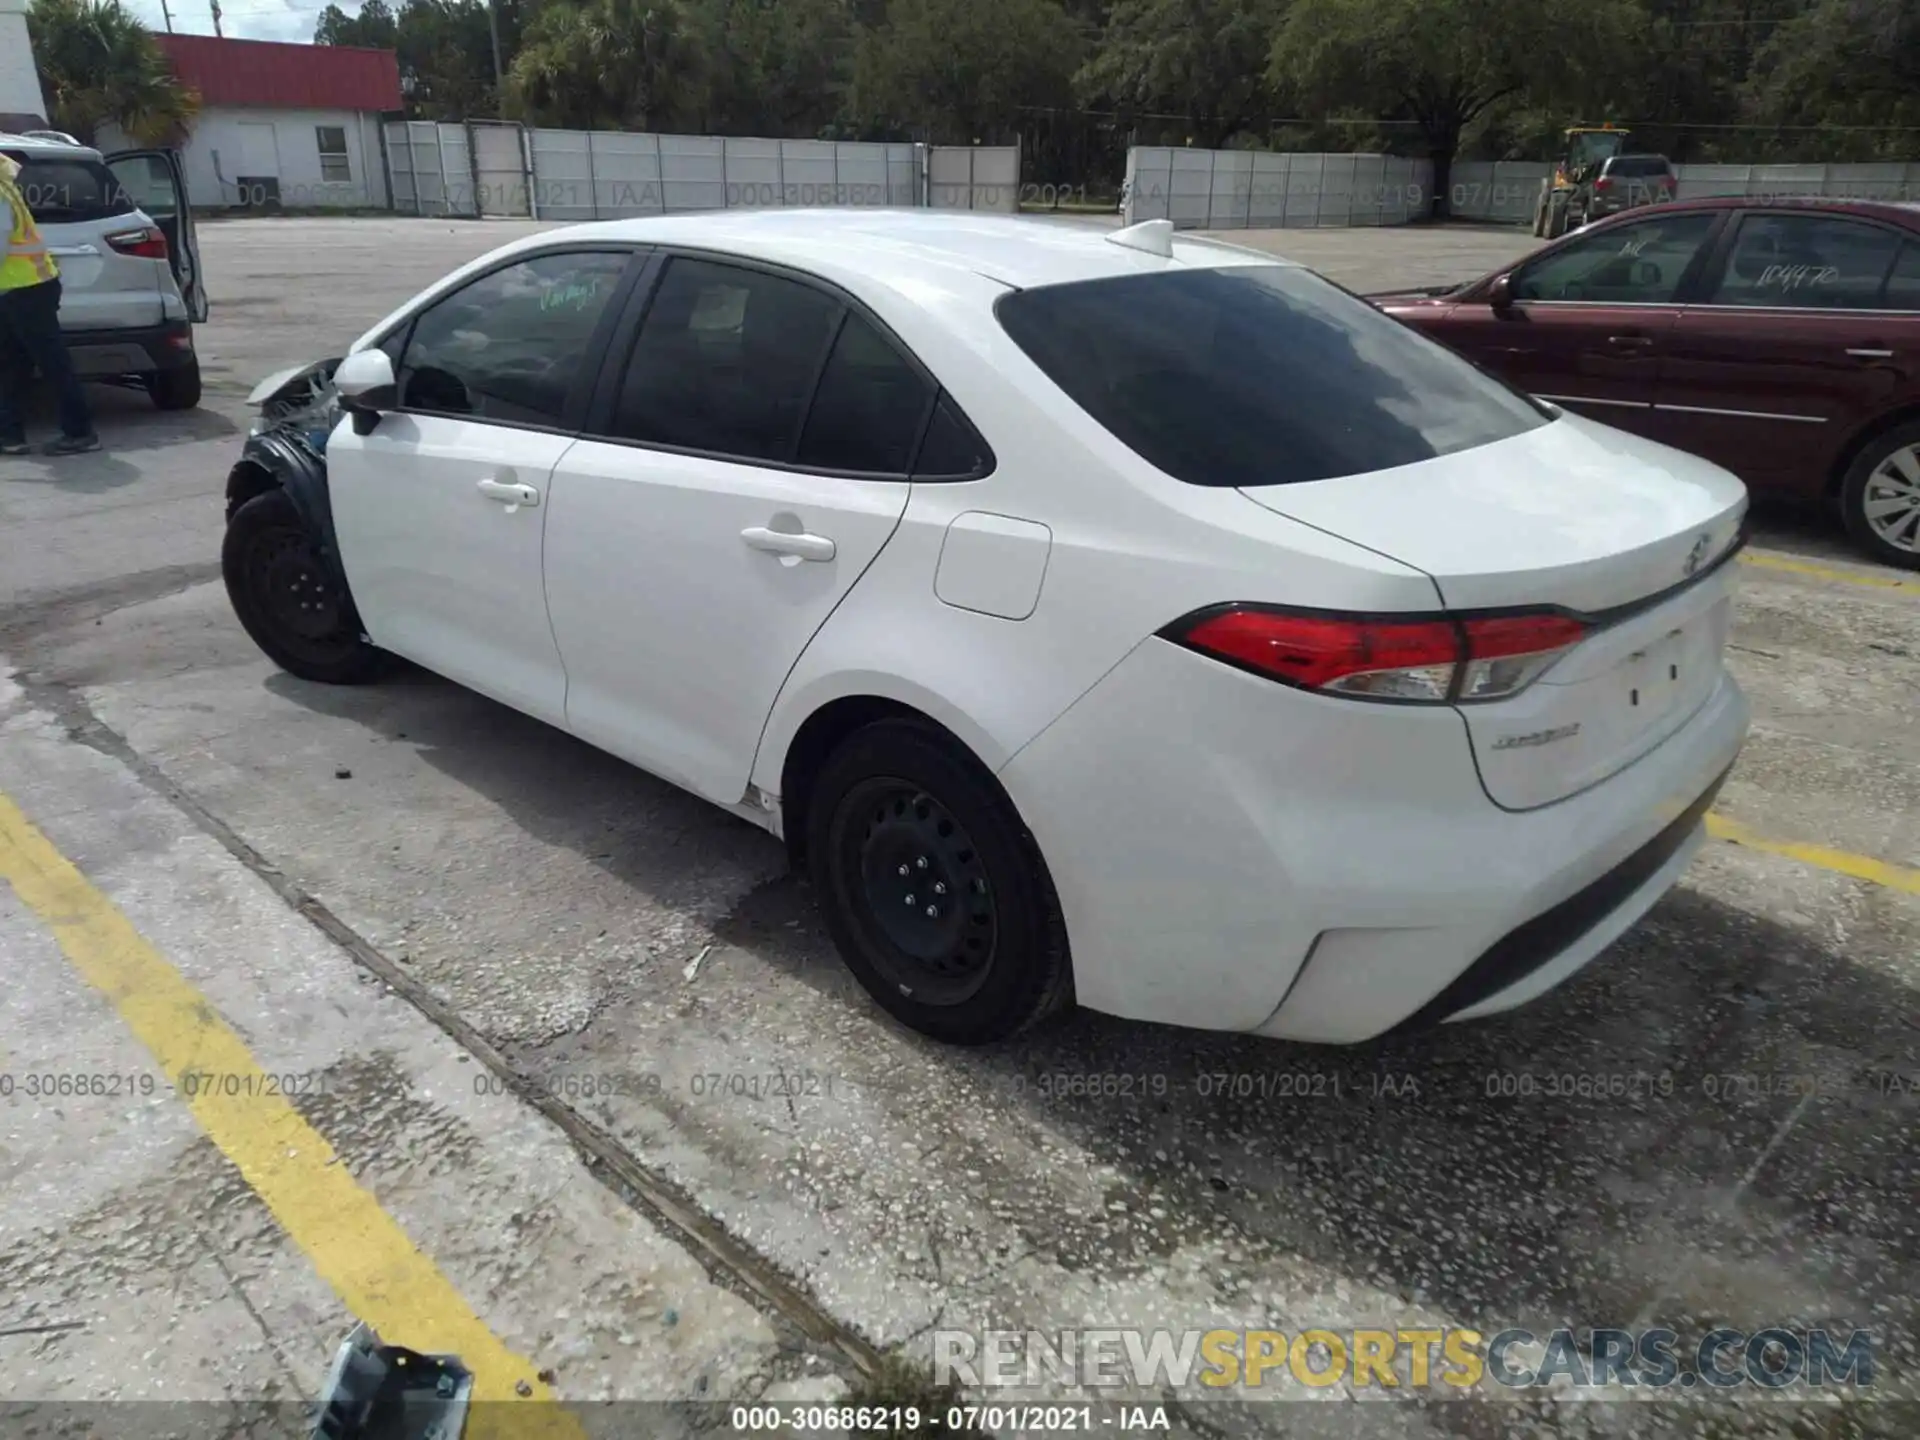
x=155, y=181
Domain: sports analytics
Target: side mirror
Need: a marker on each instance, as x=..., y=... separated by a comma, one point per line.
x=1500, y=293
x=365, y=384
x=364, y=381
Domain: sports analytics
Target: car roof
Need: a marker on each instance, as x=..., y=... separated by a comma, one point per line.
x=46, y=146
x=898, y=247
x=1906, y=212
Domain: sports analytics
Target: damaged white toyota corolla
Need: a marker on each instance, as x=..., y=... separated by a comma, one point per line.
x=1108, y=617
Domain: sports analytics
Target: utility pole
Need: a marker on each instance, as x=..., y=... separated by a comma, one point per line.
x=215, y=5
x=493, y=28
x=168, y=14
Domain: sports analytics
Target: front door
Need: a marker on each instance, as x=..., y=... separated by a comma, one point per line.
x=754, y=463
x=1589, y=317
x=441, y=508
x=156, y=182
x=1792, y=348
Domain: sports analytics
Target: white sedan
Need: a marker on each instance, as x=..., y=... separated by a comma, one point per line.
x=1099, y=616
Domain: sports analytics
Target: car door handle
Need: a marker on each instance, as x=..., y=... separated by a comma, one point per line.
x=1870, y=354
x=1630, y=342
x=786, y=542
x=511, y=495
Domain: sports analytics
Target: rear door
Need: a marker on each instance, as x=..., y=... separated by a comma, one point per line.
x=1589, y=317
x=1792, y=348
x=82, y=210
x=155, y=181
x=747, y=463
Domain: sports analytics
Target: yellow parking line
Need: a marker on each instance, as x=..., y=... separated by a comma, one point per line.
x=354, y=1245
x=1841, y=862
x=1822, y=572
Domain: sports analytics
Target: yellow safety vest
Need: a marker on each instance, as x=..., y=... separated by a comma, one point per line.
x=27, y=261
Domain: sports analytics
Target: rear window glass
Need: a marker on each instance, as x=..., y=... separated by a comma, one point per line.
x=1638, y=165
x=1258, y=375
x=68, y=192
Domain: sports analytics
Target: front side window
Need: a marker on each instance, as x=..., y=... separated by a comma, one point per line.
x=1638, y=264
x=332, y=143
x=1807, y=262
x=1257, y=375
x=507, y=347
x=726, y=362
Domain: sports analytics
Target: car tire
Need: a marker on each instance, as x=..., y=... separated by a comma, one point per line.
x=176, y=389
x=285, y=599
x=1865, y=483
x=933, y=889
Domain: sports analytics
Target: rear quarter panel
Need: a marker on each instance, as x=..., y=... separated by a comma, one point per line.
x=1131, y=551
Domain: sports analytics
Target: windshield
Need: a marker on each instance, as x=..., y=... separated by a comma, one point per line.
x=1592, y=145
x=70, y=192
x=1258, y=375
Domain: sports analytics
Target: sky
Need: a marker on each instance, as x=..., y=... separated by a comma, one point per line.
x=241, y=19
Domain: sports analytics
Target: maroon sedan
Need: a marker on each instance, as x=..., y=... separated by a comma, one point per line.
x=1780, y=339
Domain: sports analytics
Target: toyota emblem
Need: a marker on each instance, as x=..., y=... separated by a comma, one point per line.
x=1697, y=553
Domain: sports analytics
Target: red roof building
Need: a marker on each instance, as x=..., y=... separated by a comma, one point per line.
x=282, y=126
x=273, y=75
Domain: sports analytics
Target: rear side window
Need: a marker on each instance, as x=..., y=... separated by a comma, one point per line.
x=1903, y=285
x=1257, y=375
x=1810, y=262
x=725, y=362
x=72, y=192
x=868, y=408
x=1624, y=166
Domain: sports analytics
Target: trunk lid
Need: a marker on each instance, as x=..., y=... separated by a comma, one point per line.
x=1578, y=516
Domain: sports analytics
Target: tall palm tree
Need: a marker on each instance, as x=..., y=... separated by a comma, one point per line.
x=100, y=65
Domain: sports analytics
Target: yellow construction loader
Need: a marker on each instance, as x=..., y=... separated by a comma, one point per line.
x=1584, y=148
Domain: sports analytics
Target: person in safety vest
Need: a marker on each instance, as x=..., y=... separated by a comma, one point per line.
x=30, y=329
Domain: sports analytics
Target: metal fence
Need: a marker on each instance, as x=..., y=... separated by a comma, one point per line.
x=1258, y=190
x=1246, y=189
x=490, y=168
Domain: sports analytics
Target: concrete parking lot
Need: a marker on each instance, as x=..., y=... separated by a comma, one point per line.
x=725, y=1174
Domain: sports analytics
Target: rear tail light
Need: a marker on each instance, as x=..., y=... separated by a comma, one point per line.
x=148, y=243
x=1603, y=183
x=1440, y=660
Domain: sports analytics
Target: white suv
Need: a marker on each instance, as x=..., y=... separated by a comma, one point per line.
x=122, y=234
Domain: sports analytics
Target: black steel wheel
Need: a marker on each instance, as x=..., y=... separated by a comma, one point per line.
x=934, y=892
x=286, y=598
x=925, y=898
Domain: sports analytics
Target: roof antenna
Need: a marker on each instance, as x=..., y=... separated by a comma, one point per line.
x=1155, y=237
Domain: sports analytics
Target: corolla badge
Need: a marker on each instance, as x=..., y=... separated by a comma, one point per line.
x=1538, y=737
x=1697, y=554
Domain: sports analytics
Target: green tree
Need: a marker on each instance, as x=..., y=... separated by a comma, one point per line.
x=1205, y=60
x=1845, y=63
x=1444, y=64
x=962, y=69
x=773, y=67
x=445, y=50
x=99, y=65
x=609, y=64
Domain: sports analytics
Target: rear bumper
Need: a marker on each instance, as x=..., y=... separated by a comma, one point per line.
x=1234, y=855
x=144, y=351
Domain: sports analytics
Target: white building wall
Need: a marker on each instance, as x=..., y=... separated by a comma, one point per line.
x=19, y=83
x=221, y=150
